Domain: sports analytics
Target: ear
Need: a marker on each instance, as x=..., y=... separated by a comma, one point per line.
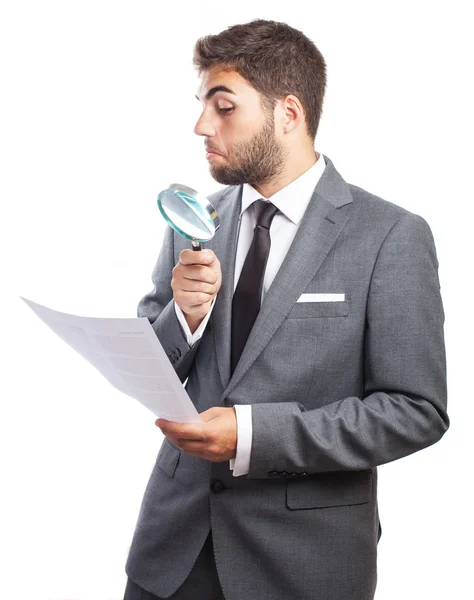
x=291, y=113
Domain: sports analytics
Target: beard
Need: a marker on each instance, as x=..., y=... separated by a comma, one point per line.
x=256, y=161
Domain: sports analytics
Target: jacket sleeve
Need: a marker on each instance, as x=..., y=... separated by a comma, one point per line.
x=403, y=405
x=158, y=307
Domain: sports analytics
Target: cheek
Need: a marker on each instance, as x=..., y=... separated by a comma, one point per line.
x=237, y=139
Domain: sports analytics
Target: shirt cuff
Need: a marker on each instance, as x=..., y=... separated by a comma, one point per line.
x=192, y=338
x=241, y=463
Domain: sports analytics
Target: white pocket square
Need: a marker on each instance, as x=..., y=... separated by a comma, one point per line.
x=322, y=298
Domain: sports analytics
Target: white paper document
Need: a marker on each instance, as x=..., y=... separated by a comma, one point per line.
x=129, y=355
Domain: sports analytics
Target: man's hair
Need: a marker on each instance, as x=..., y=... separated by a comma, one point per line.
x=274, y=58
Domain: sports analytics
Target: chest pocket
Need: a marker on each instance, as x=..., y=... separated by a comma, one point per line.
x=311, y=310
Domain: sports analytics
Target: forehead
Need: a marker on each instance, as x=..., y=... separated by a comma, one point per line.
x=231, y=83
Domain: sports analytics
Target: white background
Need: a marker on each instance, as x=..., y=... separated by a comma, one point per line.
x=97, y=115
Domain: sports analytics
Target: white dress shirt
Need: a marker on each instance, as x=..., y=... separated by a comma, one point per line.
x=292, y=202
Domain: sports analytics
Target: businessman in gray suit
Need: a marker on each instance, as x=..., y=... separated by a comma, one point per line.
x=274, y=495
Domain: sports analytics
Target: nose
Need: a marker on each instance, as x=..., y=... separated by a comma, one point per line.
x=204, y=126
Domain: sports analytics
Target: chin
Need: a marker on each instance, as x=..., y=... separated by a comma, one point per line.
x=226, y=177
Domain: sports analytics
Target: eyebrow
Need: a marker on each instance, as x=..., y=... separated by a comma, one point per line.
x=215, y=89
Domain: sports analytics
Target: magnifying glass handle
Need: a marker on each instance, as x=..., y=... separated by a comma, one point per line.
x=196, y=245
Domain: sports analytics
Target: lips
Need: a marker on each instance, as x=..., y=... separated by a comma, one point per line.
x=211, y=151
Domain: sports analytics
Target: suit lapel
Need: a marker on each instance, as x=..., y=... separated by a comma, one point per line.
x=224, y=245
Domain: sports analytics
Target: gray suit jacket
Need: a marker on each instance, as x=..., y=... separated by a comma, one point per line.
x=336, y=389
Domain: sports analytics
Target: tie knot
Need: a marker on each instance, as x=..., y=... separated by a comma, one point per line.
x=265, y=211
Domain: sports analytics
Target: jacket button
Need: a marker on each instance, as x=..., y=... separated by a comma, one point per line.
x=217, y=486
x=273, y=473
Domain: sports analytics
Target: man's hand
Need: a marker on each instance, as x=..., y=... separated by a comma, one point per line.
x=214, y=440
x=196, y=280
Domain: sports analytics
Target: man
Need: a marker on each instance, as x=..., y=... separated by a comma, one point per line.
x=340, y=369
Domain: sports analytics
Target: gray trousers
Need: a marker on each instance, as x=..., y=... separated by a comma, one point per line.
x=201, y=584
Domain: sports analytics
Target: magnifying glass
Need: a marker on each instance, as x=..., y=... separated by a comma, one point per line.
x=189, y=213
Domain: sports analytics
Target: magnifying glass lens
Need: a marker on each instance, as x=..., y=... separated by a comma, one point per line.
x=188, y=213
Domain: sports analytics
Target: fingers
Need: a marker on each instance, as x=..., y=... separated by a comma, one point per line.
x=196, y=280
x=194, y=285
x=192, y=293
x=181, y=430
x=196, y=272
x=209, y=440
x=193, y=257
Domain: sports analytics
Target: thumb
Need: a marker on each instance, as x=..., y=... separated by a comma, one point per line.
x=211, y=413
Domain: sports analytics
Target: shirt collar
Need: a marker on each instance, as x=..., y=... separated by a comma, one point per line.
x=293, y=199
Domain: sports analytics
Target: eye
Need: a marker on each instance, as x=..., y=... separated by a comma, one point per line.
x=226, y=110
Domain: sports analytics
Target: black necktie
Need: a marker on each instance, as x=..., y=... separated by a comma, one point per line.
x=246, y=300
